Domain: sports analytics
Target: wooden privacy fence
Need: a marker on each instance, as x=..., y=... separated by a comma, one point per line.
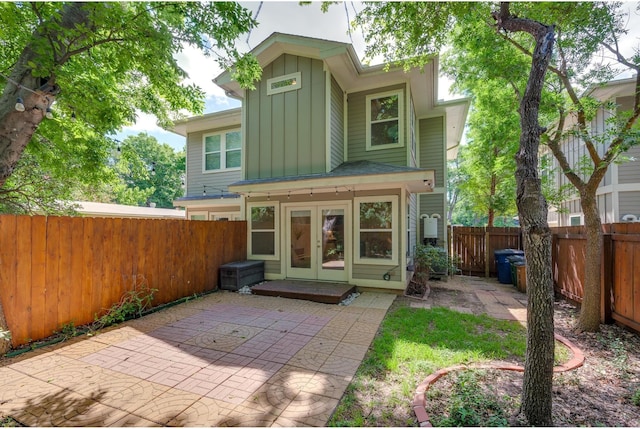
x=57, y=270
x=620, y=269
x=476, y=246
x=620, y=265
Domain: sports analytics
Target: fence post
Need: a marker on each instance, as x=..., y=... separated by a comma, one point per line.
x=606, y=278
x=487, y=256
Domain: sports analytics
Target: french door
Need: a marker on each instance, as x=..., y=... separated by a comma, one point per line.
x=316, y=237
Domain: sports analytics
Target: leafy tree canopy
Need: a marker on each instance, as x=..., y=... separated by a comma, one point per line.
x=100, y=62
x=149, y=172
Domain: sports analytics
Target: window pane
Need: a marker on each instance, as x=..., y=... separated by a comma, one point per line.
x=233, y=158
x=301, y=239
x=375, y=245
x=212, y=161
x=198, y=217
x=285, y=82
x=375, y=215
x=233, y=140
x=212, y=143
x=263, y=243
x=384, y=133
x=384, y=108
x=263, y=217
x=333, y=239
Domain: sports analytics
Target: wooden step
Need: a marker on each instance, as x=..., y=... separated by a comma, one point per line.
x=328, y=293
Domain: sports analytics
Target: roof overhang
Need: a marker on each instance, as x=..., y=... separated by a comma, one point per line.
x=456, y=116
x=412, y=179
x=613, y=89
x=224, y=119
x=228, y=200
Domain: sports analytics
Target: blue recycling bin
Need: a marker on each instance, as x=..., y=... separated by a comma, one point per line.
x=503, y=266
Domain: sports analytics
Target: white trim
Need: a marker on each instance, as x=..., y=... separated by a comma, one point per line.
x=401, y=119
x=276, y=231
x=403, y=244
x=223, y=151
x=296, y=77
x=357, y=259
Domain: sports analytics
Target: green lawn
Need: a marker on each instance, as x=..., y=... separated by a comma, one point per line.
x=413, y=343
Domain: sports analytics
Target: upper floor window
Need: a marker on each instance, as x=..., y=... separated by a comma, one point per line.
x=384, y=120
x=288, y=82
x=222, y=151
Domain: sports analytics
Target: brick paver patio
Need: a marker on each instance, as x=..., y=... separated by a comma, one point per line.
x=222, y=360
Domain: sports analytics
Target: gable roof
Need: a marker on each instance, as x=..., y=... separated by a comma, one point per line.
x=344, y=65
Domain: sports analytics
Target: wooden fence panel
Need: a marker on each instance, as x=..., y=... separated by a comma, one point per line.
x=59, y=270
x=476, y=246
x=626, y=274
x=568, y=254
x=8, y=267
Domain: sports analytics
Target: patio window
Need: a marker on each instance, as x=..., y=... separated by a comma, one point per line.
x=263, y=229
x=376, y=226
x=222, y=151
x=384, y=113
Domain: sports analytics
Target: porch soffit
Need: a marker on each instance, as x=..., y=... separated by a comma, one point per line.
x=358, y=175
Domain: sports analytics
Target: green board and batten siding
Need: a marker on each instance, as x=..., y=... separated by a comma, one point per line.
x=289, y=125
x=432, y=147
x=432, y=156
x=357, y=124
x=196, y=179
x=337, y=124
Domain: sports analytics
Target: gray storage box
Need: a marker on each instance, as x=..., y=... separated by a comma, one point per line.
x=235, y=275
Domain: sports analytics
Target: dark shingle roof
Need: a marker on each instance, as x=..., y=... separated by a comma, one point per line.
x=346, y=169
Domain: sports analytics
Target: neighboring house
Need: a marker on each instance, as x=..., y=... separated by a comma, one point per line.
x=619, y=193
x=331, y=163
x=91, y=209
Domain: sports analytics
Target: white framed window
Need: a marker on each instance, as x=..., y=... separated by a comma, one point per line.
x=287, y=82
x=221, y=151
x=385, y=120
x=224, y=215
x=263, y=231
x=575, y=220
x=200, y=215
x=376, y=227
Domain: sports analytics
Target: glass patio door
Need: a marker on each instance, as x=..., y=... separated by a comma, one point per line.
x=316, y=243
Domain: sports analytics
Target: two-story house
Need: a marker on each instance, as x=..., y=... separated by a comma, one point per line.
x=331, y=163
x=618, y=195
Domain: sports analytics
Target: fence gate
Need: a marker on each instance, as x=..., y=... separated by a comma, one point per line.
x=475, y=246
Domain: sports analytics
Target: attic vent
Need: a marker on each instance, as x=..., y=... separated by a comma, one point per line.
x=630, y=218
x=288, y=82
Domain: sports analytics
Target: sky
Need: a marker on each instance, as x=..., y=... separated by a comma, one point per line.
x=286, y=17
x=275, y=16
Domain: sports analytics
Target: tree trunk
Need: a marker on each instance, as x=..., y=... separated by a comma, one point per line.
x=532, y=209
x=589, y=319
x=492, y=194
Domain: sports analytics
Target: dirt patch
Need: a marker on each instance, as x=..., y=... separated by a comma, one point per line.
x=605, y=391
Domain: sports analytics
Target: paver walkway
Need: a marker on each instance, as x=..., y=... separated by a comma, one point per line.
x=222, y=360
x=478, y=295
